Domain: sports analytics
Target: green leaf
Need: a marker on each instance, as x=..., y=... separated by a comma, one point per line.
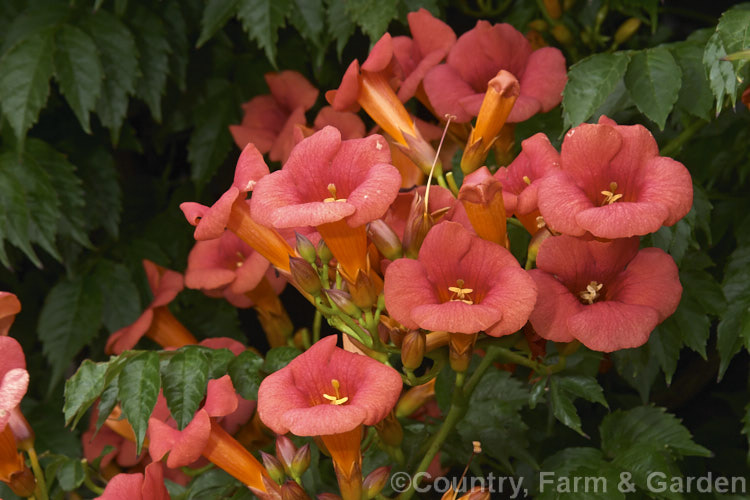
x=638, y=368
x=32, y=22
x=621, y=430
x=119, y=57
x=244, y=371
x=695, y=95
x=665, y=343
x=215, y=16
x=24, y=81
x=590, y=81
x=82, y=389
x=372, y=17
x=102, y=188
x=121, y=300
x=563, y=407
x=583, y=387
x=721, y=73
x=642, y=460
x=734, y=31
x=107, y=401
x=139, y=385
x=178, y=39
x=218, y=362
x=71, y=474
x=653, y=81
x=79, y=71
x=569, y=463
x=62, y=175
x=154, y=50
x=211, y=141
x=340, y=26
x=307, y=17
x=734, y=327
x=278, y=357
x=262, y=19
x=184, y=382
x=69, y=320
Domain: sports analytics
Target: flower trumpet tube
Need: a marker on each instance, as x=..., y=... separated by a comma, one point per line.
x=485, y=208
x=501, y=95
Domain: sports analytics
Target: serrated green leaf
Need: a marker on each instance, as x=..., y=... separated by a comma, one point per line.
x=82, y=389
x=32, y=22
x=563, y=407
x=25, y=71
x=340, y=26
x=734, y=31
x=721, y=73
x=244, y=371
x=590, y=82
x=584, y=387
x=107, y=401
x=70, y=475
x=569, y=463
x=537, y=392
x=139, y=384
x=102, y=190
x=218, y=362
x=638, y=368
x=184, y=384
x=278, y=357
x=119, y=57
x=215, y=15
x=62, y=175
x=178, y=39
x=69, y=320
x=122, y=302
x=79, y=71
x=665, y=343
x=695, y=95
x=705, y=290
x=154, y=50
x=262, y=19
x=621, y=430
x=211, y=141
x=372, y=17
x=642, y=460
x=307, y=17
x=212, y=485
x=653, y=80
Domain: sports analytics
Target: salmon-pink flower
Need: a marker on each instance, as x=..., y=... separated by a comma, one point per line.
x=269, y=120
x=614, y=184
x=521, y=179
x=460, y=283
x=329, y=392
x=349, y=124
x=156, y=322
x=9, y=307
x=607, y=295
x=337, y=186
x=14, y=381
x=138, y=486
x=458, y=86
x=231, y=211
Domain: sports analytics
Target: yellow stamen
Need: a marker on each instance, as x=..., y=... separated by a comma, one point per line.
x=610, y=196
x=460, y=293
x=332, y=190
x=337, y=399
x=540, y=222
x=591, y=293
x=526, y=180
x=240, y=259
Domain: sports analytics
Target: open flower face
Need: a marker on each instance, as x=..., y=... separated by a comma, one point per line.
x=458, y=87
x=460, y=283
x=609, y=296
x=614, y=184
x=327, y=390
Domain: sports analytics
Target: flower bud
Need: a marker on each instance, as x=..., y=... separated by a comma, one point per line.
x=390, y=431
x=553, y=8
x=418, y=223
x=375, y=481
x=343, y=301
x=626, y=30
x=476, y=493
x=562, y=34
x=22, y=482
x=385, y=239
x=305, y=248
x=293, y=491
x=363, y=292
x=414, y=398
x=301, y=461
x=389, y=328
x=328, y=496
x=413, y=349
x=285, y=451
x=324, y=253
x=304, y=275
x=538, y=25
x=273, y=466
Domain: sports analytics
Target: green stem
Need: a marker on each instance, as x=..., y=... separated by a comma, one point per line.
x=41, y=488
x=675, y=144
x=455, y=414
x=317, y=322
x=91, y=485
